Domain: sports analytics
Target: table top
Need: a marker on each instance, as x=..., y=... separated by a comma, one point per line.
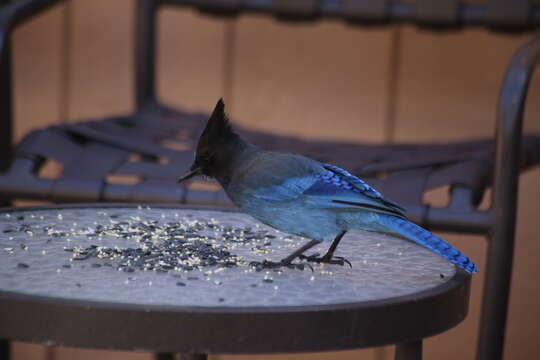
x=169, y=268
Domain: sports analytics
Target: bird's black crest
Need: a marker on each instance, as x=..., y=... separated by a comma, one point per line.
x=218, y=126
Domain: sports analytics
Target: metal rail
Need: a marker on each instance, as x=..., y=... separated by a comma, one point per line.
x=501, y=245
x=11, y=16
x=502, y=15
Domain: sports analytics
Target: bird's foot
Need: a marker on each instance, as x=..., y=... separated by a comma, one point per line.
x=327, y=259
x=267, y=264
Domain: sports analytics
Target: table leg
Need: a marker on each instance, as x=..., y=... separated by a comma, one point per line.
x=4, y=349
x=193, y=356
x=409, y=351
x=164, y=356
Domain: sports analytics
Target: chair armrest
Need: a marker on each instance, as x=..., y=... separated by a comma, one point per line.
x=12, y=15
x=499, y=15
x=509, y=124
x=504, y=202
x=15, y=13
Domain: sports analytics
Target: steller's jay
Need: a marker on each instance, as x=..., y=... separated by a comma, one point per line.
x=301, y=196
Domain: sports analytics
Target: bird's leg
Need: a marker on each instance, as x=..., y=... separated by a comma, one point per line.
x=329, y=257
x=299, y=252
x=330, y=253
x=286, y=261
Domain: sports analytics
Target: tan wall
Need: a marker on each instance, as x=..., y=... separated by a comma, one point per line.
x=318, y=81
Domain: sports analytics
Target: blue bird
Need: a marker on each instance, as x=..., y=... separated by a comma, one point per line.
x=301, y=196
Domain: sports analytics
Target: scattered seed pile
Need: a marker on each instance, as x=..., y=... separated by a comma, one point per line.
x=192, y=257
x=164, y=247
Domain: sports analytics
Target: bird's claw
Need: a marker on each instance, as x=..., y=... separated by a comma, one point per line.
x=313, y=258
x=341, y=261
x=336, y=260
x=267, y=264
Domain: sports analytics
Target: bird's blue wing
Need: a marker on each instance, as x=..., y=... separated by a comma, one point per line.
x=288, y=190
x=362, y=186
x=336, y=188
x=331, y=187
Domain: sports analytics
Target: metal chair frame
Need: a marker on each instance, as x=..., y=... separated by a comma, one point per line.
x=497, y=223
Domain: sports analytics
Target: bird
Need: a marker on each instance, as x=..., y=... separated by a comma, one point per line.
x=302, y=196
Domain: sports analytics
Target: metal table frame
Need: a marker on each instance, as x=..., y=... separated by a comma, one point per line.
x=405, y=320
x=497, y=224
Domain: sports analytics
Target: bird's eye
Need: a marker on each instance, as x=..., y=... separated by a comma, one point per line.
x=206, y=158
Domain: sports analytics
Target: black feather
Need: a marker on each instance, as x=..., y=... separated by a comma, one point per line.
x=218, y=125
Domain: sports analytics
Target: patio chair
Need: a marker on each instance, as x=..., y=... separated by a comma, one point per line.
x=151, y=146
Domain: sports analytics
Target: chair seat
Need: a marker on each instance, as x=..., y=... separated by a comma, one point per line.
x=151, y=148
x=107, y=269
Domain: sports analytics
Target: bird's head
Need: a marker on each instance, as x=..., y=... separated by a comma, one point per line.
x=216, y=146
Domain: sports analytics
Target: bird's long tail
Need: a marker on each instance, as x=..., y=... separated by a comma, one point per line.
x=425, y=238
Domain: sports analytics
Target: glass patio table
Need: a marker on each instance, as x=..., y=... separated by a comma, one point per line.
x=182, y=279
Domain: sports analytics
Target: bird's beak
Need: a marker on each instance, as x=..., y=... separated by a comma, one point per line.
x=189, y=174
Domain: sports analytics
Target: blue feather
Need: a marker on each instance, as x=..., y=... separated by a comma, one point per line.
x=343, y=190
x=289, y=189
x=363, y=187
x=352, y=181
x=425, y=238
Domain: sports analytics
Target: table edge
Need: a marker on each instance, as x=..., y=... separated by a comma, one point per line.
x=426, y=305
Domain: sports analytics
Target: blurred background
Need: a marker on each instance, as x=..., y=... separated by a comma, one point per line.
x=323, y=80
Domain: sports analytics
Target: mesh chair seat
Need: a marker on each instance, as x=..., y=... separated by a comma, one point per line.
x=151, y=148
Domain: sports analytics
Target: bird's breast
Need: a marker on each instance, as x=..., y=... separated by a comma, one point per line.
x=293, y=217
